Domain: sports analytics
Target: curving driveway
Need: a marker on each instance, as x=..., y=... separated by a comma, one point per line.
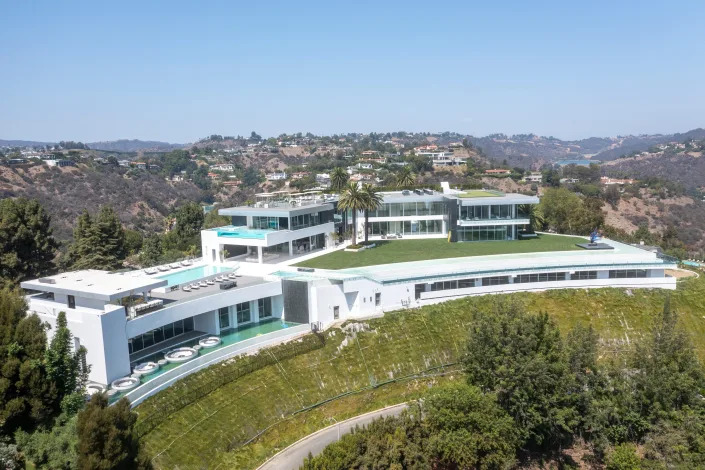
x=293, y=456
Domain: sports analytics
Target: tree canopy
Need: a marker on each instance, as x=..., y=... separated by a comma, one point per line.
x=99, y=242
x=27, y=244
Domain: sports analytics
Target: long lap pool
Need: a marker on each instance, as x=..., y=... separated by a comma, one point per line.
x=192, y=274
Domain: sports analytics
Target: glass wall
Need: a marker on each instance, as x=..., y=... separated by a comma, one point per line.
x=409, y=209
x=310, y=220
x=484, y=233
x=627, y=273
x=224, y=317
x=539, y=277
x=243, y=313
x=265, y=307
x=270, y=223
x=583, y=275
x=406, y=227
x=497, y=211
x=159, y=335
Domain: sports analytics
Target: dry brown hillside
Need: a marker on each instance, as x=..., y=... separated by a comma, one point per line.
x=140, y=198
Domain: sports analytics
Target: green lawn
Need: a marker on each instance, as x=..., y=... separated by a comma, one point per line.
x=397, y=251
x=211, y=432
x=480, y=193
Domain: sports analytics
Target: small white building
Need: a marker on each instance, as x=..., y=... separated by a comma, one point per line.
x=276, y=176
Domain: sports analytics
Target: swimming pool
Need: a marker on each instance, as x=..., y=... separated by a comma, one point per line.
x=242, y=232
x=192, y=274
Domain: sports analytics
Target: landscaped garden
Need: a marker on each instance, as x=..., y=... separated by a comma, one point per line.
x=252, y=416
x=399, y=251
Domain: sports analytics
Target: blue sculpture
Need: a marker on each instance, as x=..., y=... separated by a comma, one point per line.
x=593, y=237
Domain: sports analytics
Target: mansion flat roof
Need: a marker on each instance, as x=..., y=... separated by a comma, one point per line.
x=621, y=257
x=96, y=284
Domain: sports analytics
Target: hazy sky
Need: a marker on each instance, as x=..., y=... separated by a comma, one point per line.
x=178, y=71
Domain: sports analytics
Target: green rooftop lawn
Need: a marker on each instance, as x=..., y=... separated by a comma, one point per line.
x=480, y=193
x=398, y=251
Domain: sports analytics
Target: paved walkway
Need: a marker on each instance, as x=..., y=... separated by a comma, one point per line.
x=293, y=456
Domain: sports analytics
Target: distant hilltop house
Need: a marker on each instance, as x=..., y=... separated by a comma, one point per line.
x=369, y=153
x=534, y=177
x=608, y=181
x=223, y=167
x=445, y=159
x=569, y=180
x=498, y=171
x=323, y=178
x=300, y=175
x=276, y=176
x=234, y=182
x=426, y=148
x=379, y=160
x=60, y=163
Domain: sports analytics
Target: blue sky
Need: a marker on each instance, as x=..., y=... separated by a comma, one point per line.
x=178, y=71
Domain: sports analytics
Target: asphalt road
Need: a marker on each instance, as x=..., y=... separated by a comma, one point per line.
x=293, y=456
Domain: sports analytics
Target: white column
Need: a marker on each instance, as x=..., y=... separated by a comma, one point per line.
x=259, y=254
x=291, y=247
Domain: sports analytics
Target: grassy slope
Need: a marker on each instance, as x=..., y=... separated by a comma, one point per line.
x=437, y=248
x=210, y=432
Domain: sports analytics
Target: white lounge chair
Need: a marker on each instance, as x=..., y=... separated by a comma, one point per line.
x=210, y=282
x=232, y=276
x=186, y=263
x=195, y=286
x=174, y=265
x=203, y=284
x=186, y=289
x=164, y=268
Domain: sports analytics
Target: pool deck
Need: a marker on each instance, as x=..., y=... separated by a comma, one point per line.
x=180, y=295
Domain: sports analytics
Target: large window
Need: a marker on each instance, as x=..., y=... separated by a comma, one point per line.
x=262, y=222
x=243, y=313
x=627, y=273
x=265, y=307
x=310, y=220
x=539, y=277
x=583, y=275
x=406, y=227
x=454, y=284
x=497, y=211
x=158, y=335
x=409, y=209
x=495, y=281
x=484, y=233
x=71, y=301
x=224, y=317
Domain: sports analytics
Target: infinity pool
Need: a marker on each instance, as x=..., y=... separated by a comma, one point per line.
x=190, y=275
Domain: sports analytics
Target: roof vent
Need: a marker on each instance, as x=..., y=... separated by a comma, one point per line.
x=47, y=280
x=405, y=192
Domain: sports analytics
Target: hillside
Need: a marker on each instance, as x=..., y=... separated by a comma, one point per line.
x=677, y=163
x=532, y=151
x=377, y=366
x=142, y=200
x=134, y=145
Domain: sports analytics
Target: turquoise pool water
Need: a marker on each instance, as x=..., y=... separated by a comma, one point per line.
x=692, y=263
x=190, y=275
x=242, y=232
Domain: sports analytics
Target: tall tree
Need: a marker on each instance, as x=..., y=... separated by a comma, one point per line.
x=520, y=357
x=354, y=200
x=670, y=374
x=27, y=397
x=27, y=244
x=64, y=366
x=152, y=251
x=338, y=179
x=467, y=429
x=405, y=178
x=106, y=437
x=188, y=220
x=99, y=242
x=374, y=202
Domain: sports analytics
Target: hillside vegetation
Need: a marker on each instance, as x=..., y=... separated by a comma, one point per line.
x=378, y=362
x=141, y=199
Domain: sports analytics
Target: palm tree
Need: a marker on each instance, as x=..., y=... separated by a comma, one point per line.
x=353, y=199
x=405, y=178
x=338, y=179
x=374, y=201
x=535, y=214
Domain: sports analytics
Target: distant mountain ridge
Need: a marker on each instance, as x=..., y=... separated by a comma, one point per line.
x=134, y=145
x=120, y=145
